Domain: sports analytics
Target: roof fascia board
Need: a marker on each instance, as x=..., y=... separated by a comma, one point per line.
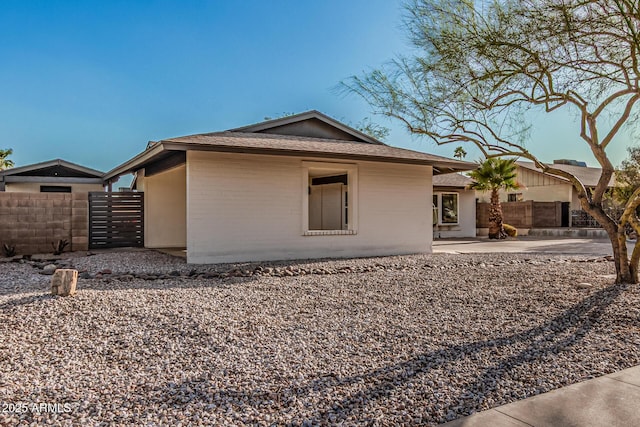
x=452, y=166
x=450, y=188
x=131, y=164
x=56, y=179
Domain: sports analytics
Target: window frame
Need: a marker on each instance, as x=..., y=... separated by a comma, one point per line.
x=440, y=211
x=351, y=170
x=66, y=189
x=517, y=196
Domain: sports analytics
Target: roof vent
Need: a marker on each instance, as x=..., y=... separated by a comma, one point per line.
x=570, y=162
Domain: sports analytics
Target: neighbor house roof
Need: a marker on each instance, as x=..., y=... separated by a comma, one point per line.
x=255, y=142
x=588, y=176
x=451, y=180
x=56, y=170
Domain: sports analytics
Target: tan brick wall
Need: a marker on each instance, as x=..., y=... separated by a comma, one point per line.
x=32, y=221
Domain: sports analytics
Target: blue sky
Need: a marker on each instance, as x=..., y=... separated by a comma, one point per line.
x=92, y=81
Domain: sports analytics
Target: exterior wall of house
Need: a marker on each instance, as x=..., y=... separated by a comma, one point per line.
x=34, y=187
x=165, y=209
x=243, y=207
x=575, y=201
x=539, y=188
x=466, y=226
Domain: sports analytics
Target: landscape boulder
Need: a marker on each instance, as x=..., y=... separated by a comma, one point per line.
x=64, y=281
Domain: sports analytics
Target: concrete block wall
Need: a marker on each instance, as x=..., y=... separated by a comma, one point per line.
x=32, y=221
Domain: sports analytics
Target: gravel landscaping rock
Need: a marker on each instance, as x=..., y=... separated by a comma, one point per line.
x=150, y=340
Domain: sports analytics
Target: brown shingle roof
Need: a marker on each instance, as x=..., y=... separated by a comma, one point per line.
x=258, y=143
x=451, y=180
x=586, y=175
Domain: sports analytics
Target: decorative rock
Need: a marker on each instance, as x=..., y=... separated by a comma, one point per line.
x=106, y=271
x=63, y=282
x=49, y=269
x=85, y=275
x=584, y=285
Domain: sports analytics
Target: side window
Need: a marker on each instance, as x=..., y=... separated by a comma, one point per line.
x=329, y=198
x=54, y=189
x=449, y=211
x=328, y=202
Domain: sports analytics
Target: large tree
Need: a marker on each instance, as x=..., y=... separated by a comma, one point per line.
x=479, y=67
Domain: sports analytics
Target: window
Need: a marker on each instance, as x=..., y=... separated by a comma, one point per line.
x=329, y=198
x=446, y=208
x=54, y=189
x=514, y=197
x=449, y=212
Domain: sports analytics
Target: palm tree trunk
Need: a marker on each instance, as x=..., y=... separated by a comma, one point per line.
x=495, y=217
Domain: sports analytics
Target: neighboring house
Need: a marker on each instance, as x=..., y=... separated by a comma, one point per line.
x=303, y=186
x=454, y=206
x=541, y=187
x=53, y=176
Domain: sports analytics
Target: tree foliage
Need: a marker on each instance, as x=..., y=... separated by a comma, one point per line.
x=459, y=153
x=628, y=176
x=4, y=162
x=480, y=66
x=374, y=130
x=493, y=175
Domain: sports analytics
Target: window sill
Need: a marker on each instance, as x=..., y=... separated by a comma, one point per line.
x=329, y=233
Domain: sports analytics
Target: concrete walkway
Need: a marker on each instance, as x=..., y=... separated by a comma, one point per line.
x=612, y=401
x=550, y=245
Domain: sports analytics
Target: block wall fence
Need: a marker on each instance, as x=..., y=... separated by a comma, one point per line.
x=32, y=221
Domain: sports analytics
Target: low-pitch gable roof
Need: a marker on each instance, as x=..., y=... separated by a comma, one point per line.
x=53, y=168
x=249, y=140
x=588, y=176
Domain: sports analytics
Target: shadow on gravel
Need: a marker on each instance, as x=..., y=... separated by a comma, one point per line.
x=25, y=300
x=552, y=337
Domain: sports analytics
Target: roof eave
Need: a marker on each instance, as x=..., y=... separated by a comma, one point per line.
x=134, y=163
x=442, y=167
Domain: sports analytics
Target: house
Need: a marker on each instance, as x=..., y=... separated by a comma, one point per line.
x=542, y=187
x=303, y=186
x=53, y=176
x=454, y=205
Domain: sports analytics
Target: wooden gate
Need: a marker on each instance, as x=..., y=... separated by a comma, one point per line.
x=116, y=219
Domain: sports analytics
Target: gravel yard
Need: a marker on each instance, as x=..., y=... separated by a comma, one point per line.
x=150, y=340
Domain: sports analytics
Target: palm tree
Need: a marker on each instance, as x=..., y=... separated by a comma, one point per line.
x=494, y=175
x=4, y=162
x=459, y=153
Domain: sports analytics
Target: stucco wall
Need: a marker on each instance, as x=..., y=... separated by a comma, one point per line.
x=250, y=207
x=34, y=187
x=165, y=209
x=466, y=220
